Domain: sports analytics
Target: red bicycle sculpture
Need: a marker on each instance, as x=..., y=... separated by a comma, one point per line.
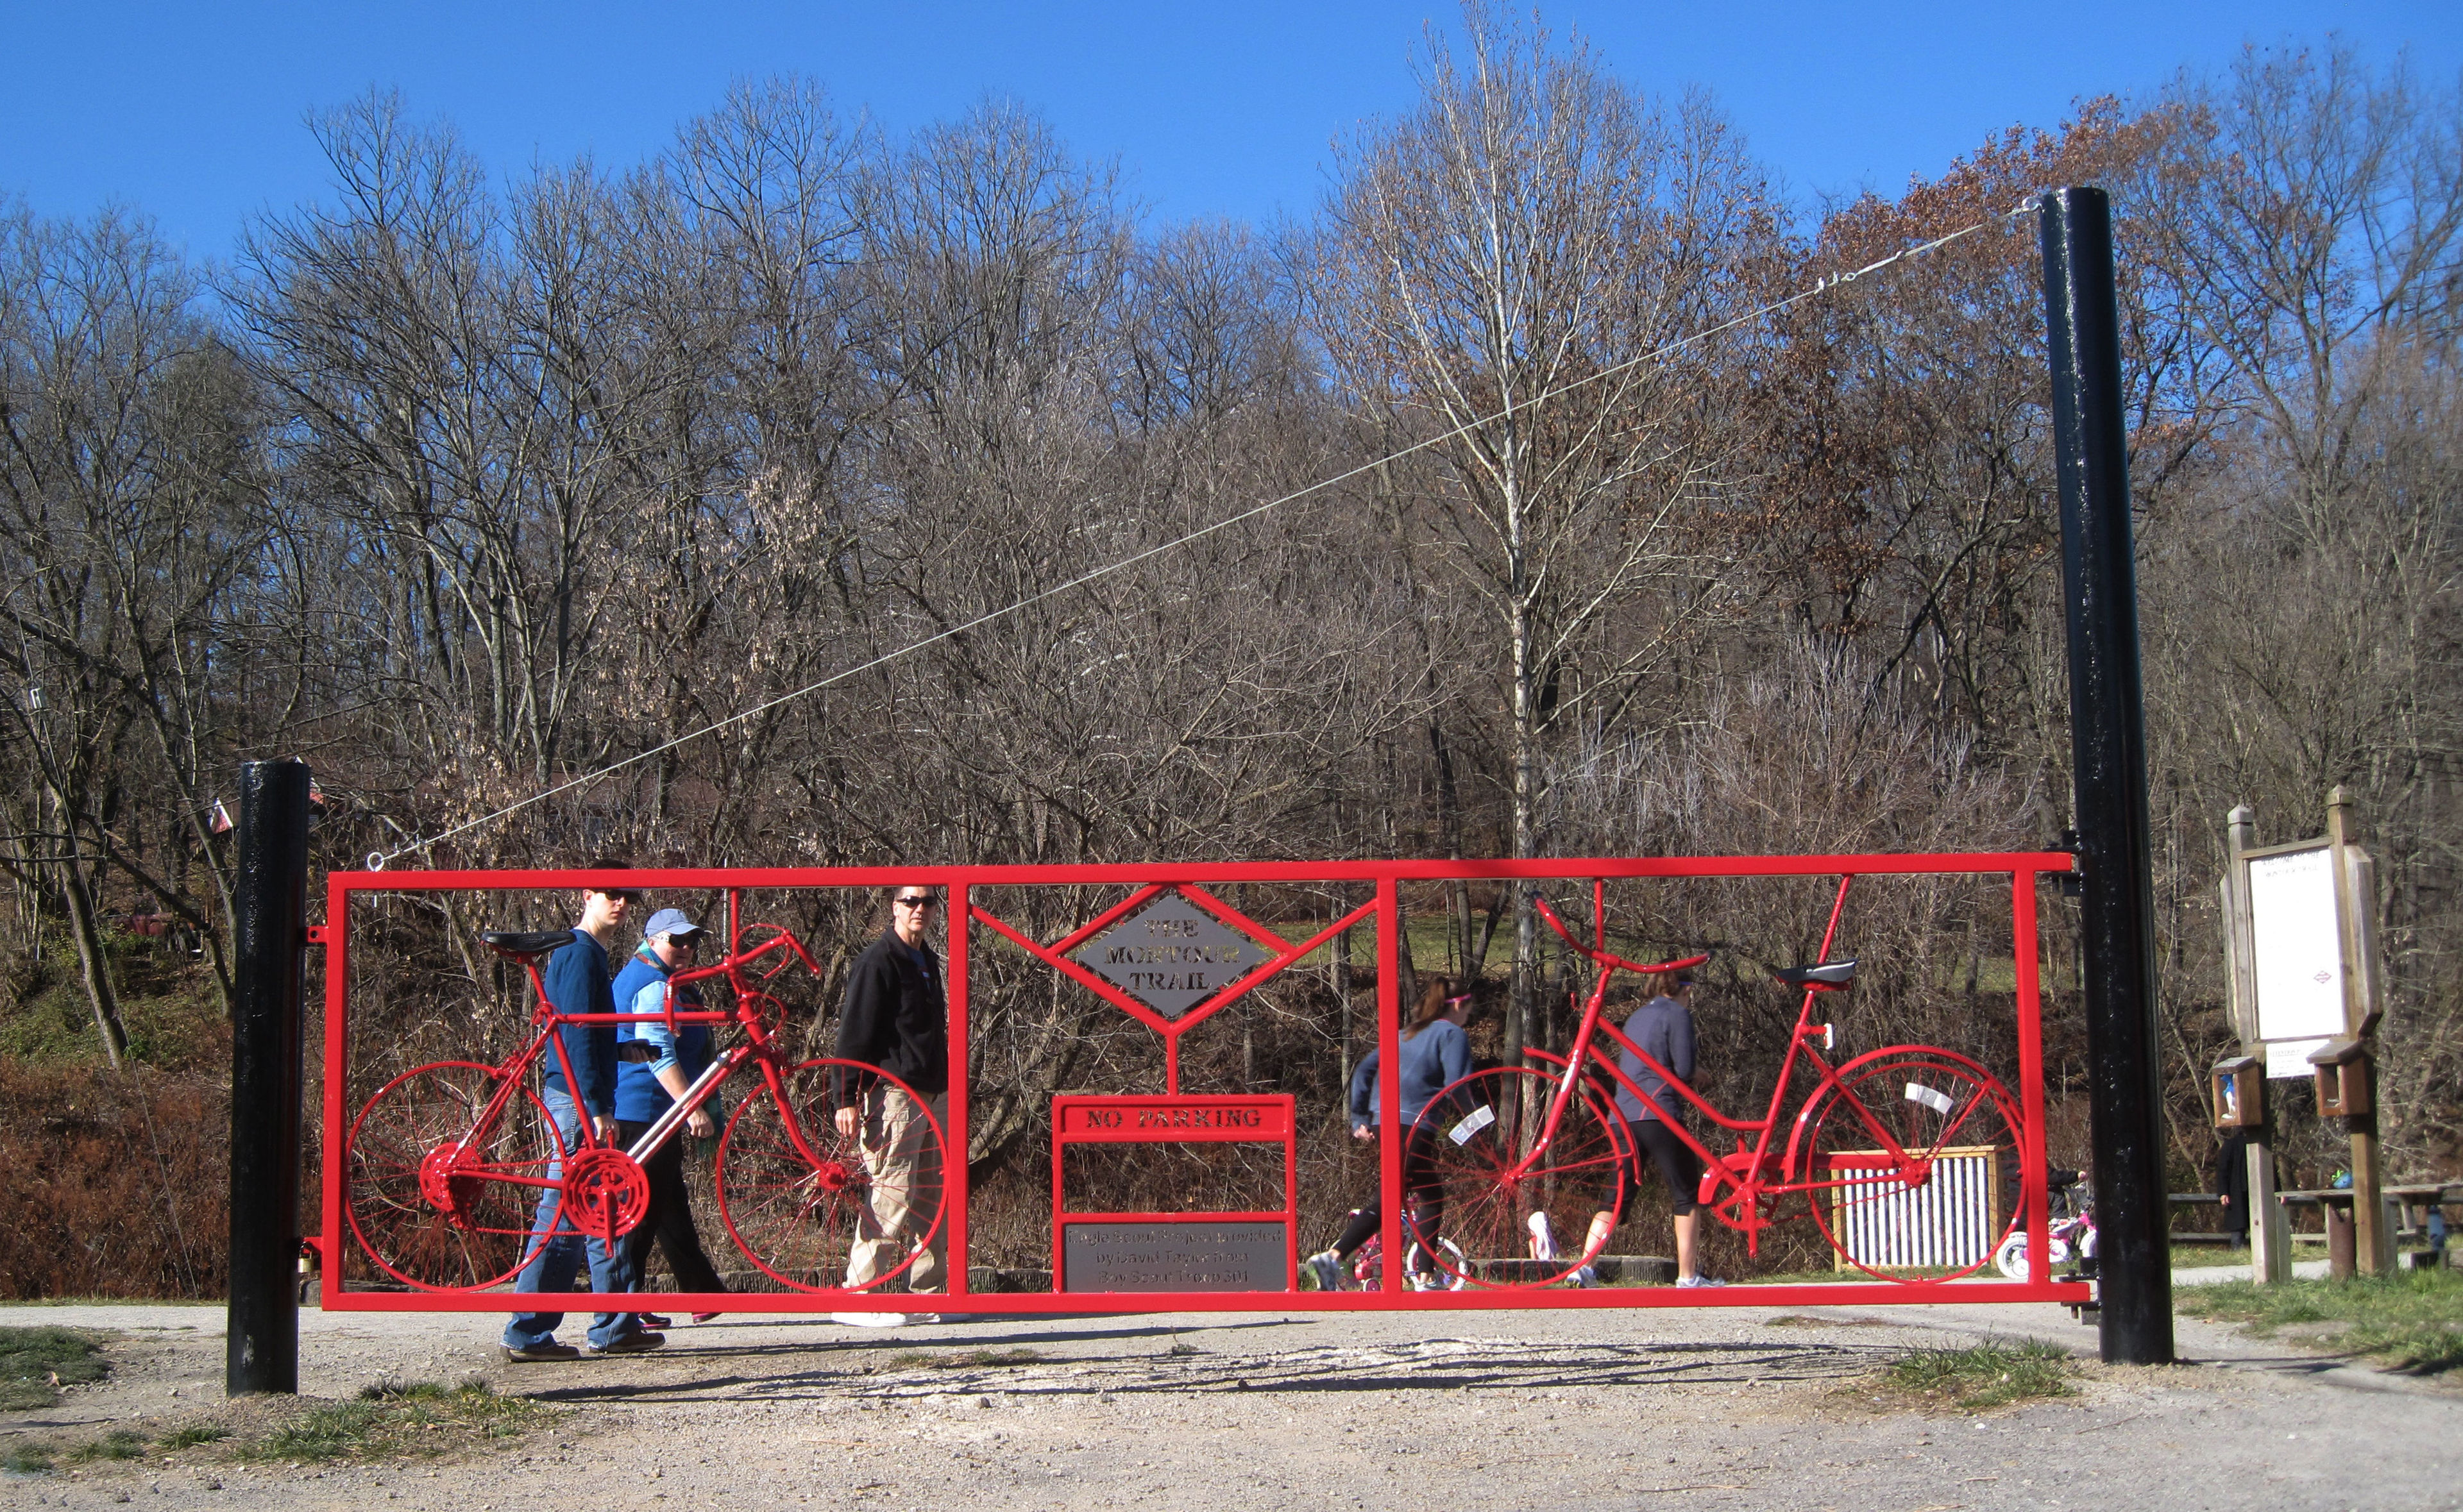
x=1521, y=1143
x=447, y=1162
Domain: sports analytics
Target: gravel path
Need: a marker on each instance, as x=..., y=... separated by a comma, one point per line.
x=1730, y=1407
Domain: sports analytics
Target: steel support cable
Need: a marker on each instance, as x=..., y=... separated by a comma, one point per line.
x=378, y=859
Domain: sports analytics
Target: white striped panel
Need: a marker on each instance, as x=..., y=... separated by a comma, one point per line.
x=1952, y=1220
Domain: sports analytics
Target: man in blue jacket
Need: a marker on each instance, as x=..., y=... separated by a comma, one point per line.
x=577, y=978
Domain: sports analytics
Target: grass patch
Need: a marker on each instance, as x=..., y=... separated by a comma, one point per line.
x=394, y=1419
x=27, y=1459
x=36, y=1363
x=119, y=1443
x=1994, y=1373
x=191, y=1438
x=2411, y=1320
x=962, y=1359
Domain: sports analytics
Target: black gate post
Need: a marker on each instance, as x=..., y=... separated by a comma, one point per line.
x=269, y=935
x=2108, y=760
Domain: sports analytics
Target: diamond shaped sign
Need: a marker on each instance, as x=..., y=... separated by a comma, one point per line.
x=1171, y=955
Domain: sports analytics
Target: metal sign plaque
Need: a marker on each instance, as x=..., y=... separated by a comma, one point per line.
x=1171, y=955
x=1176, y=1257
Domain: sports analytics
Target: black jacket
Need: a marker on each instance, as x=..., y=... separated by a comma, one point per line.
x=896, y=1018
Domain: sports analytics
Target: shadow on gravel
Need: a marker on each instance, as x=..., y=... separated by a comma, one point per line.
x=1434, y=1365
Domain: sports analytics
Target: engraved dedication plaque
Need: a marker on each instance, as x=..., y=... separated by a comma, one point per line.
x=1176, y=1257
x=1171, y=955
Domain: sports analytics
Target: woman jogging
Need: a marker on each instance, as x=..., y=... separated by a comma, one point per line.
x=1664, y=1029
x=1435, y=1052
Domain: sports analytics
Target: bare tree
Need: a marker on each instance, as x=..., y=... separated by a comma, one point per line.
x=1490, y=269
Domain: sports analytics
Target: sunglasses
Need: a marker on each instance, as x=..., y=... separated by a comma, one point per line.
x=915, y=902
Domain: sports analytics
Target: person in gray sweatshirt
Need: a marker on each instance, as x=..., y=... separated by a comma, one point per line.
x=1436, y=1054
x=1663, y=1028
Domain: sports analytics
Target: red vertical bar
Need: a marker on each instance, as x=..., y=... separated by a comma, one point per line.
x=1292, y=1196
x=2031, y=1079
x=1057, y=1269
x=954, y=1165
x=1389, y=1080
x=337, y=936
x=1172, y=1061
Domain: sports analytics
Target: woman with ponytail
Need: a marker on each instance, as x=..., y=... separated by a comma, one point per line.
x=1435, y=1052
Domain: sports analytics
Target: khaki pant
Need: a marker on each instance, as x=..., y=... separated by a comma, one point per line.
x=904, y=1164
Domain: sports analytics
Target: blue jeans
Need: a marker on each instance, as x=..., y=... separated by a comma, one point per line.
x=556, y=1264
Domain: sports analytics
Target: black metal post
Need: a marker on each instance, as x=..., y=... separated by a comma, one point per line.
x=269, y=937
x=2108, y=758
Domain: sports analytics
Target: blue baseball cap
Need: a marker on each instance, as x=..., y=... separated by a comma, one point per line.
x=670, y=921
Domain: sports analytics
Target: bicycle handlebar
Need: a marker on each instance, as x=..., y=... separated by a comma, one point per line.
x=1603, y=958
x=733, y=967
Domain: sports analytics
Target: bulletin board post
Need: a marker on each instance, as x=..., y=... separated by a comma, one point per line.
x=2307, y=994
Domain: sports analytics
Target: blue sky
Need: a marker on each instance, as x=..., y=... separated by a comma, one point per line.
x=195, y=113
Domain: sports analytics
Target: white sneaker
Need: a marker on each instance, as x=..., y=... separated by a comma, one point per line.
x=1584, y=1278
x=873, y=1320
x=1325, y=1270
x=1699, y=1280
x=1544, y=1244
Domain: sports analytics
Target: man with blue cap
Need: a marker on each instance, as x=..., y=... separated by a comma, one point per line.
x=656, y=1065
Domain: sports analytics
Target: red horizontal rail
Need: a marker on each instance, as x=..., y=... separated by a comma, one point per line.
x=742, y=1305
x=1269, y=1215
x=1141, y=872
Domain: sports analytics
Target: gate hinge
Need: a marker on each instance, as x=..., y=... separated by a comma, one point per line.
x=319, y=934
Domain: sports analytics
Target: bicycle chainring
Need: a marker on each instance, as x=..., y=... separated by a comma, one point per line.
x=605, y=1193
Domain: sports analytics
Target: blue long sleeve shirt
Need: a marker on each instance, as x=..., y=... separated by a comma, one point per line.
x=578, y=982
x=1433, y=1059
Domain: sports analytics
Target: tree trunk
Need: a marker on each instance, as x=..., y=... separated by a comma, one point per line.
x=92, y=961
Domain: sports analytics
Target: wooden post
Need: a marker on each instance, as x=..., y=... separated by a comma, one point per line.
x=2372, y=1245
x=2342, y=1252
x=2270, y=1234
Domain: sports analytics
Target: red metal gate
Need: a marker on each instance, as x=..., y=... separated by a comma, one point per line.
x=1169, y=954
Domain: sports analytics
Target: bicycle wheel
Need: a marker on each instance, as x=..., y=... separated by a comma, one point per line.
x=1938, y=1215
x=798, y=1210
x=434, y=1201
x=2011, y=1257
x=1463, y=1185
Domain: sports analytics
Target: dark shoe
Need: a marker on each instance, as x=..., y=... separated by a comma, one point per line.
x=707, y=1317
x=630, y=1344
x=656, y=1320
x=549, y=1350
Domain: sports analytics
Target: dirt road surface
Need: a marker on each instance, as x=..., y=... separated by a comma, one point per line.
x=1715, y=1408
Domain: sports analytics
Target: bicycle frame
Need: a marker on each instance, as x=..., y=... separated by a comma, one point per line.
x=1742, y=1177
x=515, y=1075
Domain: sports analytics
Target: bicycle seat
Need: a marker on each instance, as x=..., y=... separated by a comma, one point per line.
x=1829, y=976
x=528, y=948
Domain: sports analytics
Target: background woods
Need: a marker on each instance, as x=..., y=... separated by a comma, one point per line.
x=463, y=486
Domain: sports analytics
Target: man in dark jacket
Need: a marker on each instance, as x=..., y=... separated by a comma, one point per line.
x=896, y=1018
